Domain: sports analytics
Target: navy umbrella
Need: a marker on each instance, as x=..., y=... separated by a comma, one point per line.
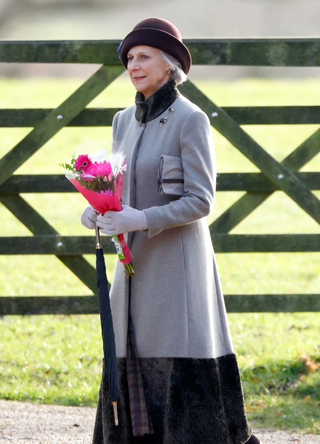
x=109, y=345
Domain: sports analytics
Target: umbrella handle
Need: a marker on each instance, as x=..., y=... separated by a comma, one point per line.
x=98, y=241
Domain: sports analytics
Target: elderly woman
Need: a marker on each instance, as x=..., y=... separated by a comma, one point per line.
x=178, y=375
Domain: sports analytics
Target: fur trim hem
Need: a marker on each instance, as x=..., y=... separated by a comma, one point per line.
x=190, y=401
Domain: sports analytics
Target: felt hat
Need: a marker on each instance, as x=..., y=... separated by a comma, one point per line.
x=158, y=33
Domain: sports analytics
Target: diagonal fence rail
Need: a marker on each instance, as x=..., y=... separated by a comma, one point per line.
x=273, y=176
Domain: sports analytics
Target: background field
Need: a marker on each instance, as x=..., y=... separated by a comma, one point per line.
x=57, y=359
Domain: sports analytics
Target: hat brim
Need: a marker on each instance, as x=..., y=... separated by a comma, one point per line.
x=157, y=39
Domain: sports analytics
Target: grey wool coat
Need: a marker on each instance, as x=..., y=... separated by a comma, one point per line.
x=177, y=305
x=188, y=366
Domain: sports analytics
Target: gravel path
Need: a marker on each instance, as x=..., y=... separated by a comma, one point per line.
x=22, y=423
x=25, y=423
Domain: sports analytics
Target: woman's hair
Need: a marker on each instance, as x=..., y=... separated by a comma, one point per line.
x=177, y=73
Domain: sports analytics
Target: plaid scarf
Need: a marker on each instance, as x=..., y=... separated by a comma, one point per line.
x=140, y=417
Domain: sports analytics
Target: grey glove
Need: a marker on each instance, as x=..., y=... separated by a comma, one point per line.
x=89, y=218
x=124, y=221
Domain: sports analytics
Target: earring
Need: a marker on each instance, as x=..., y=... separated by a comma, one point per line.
x=169, y=71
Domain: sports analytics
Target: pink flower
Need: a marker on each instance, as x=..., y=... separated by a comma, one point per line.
x=91, y=170
x=103, y=169
x=83, y=162
x=89, y=173
x=107, y=192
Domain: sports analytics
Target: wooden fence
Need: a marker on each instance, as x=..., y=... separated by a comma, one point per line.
x=274, y=175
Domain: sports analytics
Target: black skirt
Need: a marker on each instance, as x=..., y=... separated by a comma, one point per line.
x=190, y=401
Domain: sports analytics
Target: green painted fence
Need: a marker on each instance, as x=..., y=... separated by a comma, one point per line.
x=274, y=175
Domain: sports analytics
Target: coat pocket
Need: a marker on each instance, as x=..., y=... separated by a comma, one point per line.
x=170, y=176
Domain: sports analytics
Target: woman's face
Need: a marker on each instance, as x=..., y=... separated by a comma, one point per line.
x=147, y=70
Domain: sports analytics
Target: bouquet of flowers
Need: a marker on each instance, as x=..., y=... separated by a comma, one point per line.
x=99, y=179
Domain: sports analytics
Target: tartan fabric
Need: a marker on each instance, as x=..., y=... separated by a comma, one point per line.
x=140, y=417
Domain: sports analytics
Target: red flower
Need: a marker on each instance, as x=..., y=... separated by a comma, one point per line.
x=83, y=162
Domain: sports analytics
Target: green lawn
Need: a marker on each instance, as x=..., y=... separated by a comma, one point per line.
x=57, y=359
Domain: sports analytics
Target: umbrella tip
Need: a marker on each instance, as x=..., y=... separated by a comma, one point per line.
x=115, y=412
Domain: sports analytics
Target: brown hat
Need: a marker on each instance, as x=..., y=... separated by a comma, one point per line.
x=158, y=33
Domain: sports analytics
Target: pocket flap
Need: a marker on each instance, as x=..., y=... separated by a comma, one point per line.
x=170, y=177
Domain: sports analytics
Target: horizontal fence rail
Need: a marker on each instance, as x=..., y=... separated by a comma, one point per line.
x=248, y=115
x=223, y=243
x=70, y=305
x=53, y=183
x=245, y=52
x=274, y=176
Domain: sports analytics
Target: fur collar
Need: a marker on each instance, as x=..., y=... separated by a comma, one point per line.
x=150, y=108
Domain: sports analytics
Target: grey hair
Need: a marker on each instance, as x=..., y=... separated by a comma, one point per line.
x=177, y=73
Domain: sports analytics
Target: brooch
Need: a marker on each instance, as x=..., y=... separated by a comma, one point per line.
x=163, y=120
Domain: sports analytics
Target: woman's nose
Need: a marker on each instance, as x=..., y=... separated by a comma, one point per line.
x=134, y=64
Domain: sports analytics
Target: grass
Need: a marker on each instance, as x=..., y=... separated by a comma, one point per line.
x=279, y=361
x=57, y=359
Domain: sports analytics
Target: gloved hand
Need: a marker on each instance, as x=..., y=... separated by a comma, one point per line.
x=89, y=218
x=124, y=221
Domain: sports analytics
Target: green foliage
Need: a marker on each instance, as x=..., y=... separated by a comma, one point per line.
x=57, y=359
x=70, y=166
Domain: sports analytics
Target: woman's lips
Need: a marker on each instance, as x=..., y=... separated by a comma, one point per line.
x=136, y=79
